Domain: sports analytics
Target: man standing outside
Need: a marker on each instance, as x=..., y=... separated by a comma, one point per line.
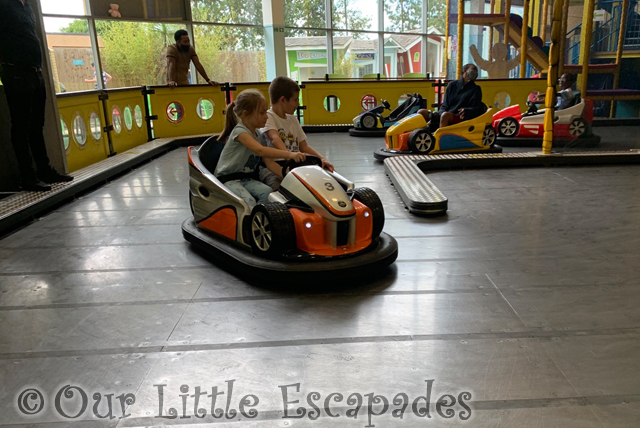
x=21, y=75
x=106, y=77
x=179, y=56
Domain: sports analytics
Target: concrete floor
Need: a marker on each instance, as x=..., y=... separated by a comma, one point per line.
x=521, y=304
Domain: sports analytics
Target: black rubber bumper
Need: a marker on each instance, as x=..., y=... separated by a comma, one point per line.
x=384, y=153
x=587, y=141
x=356, y=132
x=246, y=264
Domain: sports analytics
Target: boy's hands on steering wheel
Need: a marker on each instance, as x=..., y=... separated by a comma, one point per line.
x=297, y=156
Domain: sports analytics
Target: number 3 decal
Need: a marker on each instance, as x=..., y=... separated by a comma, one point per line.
x=329, y=186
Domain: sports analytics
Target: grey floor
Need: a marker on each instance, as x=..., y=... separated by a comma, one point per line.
x=521, y=304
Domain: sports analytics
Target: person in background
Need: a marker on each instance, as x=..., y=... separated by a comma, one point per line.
x=24, y=88
x=462, y=101
x=106, y=77
x=179, y=56
x=565, y=96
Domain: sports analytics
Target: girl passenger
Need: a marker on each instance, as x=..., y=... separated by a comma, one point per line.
x=243, y=151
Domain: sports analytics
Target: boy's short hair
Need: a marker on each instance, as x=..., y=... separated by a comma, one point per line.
x=282, y=86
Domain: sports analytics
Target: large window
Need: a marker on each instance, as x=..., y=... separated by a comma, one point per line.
x=307, y=55
x=133, y=53
x=354, y=41
x=403, y=15
x=69, y=49
x=227, y=11
x=231, y=54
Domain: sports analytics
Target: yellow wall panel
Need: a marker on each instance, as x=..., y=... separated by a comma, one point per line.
x=125, y=108
x=83, y=120
x=177, y=110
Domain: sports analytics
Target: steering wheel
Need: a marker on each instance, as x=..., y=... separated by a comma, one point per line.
x=386, y=104
x=309, y=160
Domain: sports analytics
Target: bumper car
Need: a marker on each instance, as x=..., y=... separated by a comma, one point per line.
x=372, y=123
x=317, y=225
x=412, y=135
x=572, y=125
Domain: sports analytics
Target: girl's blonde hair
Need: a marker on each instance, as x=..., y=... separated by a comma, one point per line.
x=248, y=101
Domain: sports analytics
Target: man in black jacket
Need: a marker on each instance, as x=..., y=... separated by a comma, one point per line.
x=462, y=101
x=21, y=75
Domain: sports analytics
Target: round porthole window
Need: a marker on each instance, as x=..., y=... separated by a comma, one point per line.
x=95, y=126
x=128, y=118
x=175, y=112
x=205, y=109
x=137, y=113
x=332, y=103
x=116, y=119
x=65, y=134
x=502, y=100
x=79, y=131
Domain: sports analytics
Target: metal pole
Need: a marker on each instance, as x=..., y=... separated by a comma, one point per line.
x=327, y=24
x=623, y=28
x=507, y=21
x=446, y=42
x=460, y=37
x=491, y=30
x=545, y=18
x=524, y=39
x=552, y=76
x=585, y=44
x=563, y=33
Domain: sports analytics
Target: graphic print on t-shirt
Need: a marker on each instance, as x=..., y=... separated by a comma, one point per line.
x=290, y=141
x=251, y=164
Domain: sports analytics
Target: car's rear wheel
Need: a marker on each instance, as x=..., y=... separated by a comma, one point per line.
x=577, y=127
x=508, y=127
x=369, y=198
x=421, y=141
x=271, y=230
x=489, y=136
x=368, y=121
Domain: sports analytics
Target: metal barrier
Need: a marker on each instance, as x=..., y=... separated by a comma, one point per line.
x=187, y=110
x=82, y=123
x=338, y=102
x=501, y=93
x=125, y=113
x=98, y=124
x=263, y=87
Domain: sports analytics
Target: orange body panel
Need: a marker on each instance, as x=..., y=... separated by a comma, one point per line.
x=403, y=141
x=400, y=142
x=313, y=240
x=364, y=225
x=224, y=222
x=189, y=155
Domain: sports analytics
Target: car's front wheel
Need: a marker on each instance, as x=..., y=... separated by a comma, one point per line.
x=577, y=127
x=421, y=141
x=369, y=198
x=508, y=127
x=271, y=230
x=489, y=136
x=368, y=121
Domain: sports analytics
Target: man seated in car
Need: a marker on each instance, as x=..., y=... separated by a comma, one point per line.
x=566, y=94
x=462, y=101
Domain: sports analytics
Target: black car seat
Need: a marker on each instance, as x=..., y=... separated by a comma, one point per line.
x=405, y=107
x=209, y=153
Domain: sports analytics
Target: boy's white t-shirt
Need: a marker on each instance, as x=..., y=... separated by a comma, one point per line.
x=289, y=130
